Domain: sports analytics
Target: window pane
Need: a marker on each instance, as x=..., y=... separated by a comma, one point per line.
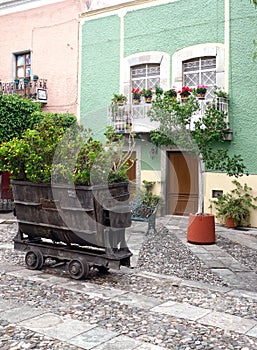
x=153, y=70
x=20, y=72
x=191, y=65
x=208, y=63
x=28, y=71
x=191, y=79
x=138, y=71
x=28, y=59
x=152, y=82
x=20, y=60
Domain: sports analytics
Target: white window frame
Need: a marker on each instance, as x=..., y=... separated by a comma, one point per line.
x=147, y=77
x=162, y=58
x=196, y=51
x=199, y=72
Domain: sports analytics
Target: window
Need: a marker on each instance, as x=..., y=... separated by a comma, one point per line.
x=143, y=70
x=23, y=65
x=212, y=51
x=200, y=70
x=145, y=76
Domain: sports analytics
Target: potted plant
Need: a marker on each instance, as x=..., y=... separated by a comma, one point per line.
x=234, y=207
x=147, y=93
x=185, y=92
x=136, y=95
x=201, y=91
x=119, y=99
x=172, y=93
x=148, y=197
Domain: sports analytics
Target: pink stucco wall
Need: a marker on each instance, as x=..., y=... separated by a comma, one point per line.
x=51, y=33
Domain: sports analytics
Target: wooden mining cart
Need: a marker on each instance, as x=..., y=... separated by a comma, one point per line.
x=80, y=226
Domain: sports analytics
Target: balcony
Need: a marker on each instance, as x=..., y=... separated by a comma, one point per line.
x=221, y=104
x=130, y=117
x=35, y=89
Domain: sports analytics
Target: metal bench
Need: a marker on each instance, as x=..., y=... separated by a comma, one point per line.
x=143, y=213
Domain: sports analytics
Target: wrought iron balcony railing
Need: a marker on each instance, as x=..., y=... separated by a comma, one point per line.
x=36, y=88
x=131, y=117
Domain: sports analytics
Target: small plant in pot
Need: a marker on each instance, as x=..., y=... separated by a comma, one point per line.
x=148, y=197
x=119, y=99
x=136, y=95
x=148, y=94
x=201, y=91
x=233, y=208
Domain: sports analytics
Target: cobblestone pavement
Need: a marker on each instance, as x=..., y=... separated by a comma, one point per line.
x=176, y=295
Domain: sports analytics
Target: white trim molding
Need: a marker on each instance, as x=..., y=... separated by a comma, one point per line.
x=12, y=6
x=163, y=58
x=201, y=50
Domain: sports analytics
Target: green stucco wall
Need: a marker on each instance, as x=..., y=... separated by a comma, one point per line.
x=171, y=27
x=243, y=82
x=100, y=64
x=164, y=27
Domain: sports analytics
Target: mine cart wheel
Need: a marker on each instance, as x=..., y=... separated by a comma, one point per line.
x=78, y=268
x=34, y=260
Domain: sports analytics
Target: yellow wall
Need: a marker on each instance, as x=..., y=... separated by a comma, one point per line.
x=212, y=182
x=223, y=182
x=155, y=176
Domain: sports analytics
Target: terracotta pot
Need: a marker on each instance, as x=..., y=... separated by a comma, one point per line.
x=201, y=229
x=230, y=223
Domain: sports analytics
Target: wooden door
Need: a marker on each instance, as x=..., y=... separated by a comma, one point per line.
x=182, y=183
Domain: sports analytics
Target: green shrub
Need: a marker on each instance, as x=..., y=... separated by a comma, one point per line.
x=59, y=149
x=17, y=114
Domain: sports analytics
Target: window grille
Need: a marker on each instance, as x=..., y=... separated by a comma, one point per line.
x=201, y=70
x=144, y=76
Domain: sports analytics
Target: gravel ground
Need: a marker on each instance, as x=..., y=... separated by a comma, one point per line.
x=244, y=255
x=162, y=253
x=131, y=321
